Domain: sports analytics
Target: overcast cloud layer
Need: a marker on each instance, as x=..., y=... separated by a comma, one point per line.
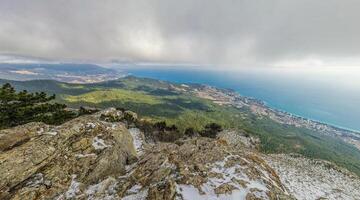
x=216, y=32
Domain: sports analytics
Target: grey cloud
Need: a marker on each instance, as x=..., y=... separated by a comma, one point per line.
x=218, y=32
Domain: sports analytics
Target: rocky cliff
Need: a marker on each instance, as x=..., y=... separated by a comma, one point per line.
x=104, y=156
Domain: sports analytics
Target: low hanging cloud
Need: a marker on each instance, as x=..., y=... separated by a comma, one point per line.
x=218, y=32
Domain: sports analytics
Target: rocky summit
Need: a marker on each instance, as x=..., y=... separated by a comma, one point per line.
x=106, y=156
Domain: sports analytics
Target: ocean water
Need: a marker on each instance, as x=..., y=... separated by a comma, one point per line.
x=330, y=95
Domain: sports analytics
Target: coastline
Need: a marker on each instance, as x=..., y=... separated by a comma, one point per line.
x=309, y=118
x=226, y=97
x=178, y=79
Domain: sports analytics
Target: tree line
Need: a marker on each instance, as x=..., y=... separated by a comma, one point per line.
x=22, y=107
x=17, y=108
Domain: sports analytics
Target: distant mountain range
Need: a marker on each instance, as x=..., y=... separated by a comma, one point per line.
x=65, y=72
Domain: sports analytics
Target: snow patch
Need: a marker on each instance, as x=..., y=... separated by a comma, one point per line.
x=255, y=186
x=40, y=131
x=74, y=188
x=135, y=189
x=90, y=125
x=99, y=143
x=85, y=155
x=53, y=133
x=138, y=141
x=308, y=179
x=138, y=196
x=105, y=189
x=36, y=180
x=189, y=192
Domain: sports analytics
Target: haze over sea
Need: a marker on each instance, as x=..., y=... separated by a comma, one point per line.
x=330, y=95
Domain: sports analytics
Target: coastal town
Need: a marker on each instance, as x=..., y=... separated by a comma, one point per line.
x=227, y=97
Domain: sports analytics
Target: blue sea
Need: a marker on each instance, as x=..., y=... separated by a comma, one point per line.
x=328, y=95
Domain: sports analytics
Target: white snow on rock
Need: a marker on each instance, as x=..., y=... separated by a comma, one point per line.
x=99, y=143
x=138, y=196
x=85, y=155
x=137, y=140
x=309, y=179
x=189, y=192
x=40, y=131
x=105, y=190
x=135, y=189
x=53, y=133
x=36, y=180
x=90, y=125
x=74, y=188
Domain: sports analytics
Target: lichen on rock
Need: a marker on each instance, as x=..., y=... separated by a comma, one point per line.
x=26, y=151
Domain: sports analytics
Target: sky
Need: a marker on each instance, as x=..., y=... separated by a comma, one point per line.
x=236, y=33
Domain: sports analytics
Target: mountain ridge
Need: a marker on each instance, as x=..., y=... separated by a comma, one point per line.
x=196, y=105
x=107, y=155
x=66, y=72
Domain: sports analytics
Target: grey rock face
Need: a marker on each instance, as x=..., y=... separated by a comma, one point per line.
x=33, y=149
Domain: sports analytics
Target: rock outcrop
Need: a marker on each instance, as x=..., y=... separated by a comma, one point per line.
x=38, y=161
x=201, y=168
x=104, y=156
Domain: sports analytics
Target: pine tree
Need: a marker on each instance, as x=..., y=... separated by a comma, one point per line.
x=211, y=130
x=18, y=108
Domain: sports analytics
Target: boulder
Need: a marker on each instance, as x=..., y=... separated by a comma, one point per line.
x=86, y=148
x=202, y=168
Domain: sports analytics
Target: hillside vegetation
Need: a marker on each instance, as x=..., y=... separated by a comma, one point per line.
x=159, y=101
x=17, y=108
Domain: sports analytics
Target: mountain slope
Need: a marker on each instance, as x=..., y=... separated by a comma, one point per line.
x=106, y=156
x=194, y=106
x=95, y=159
